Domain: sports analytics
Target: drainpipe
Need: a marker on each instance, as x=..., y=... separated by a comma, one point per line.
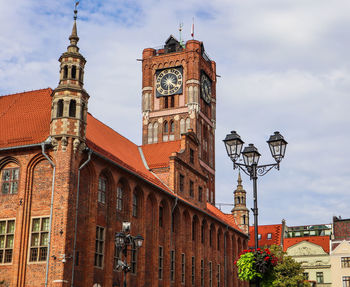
x=76, y=214
x=48, y=141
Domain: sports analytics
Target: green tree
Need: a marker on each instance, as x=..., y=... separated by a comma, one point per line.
x=288, y=272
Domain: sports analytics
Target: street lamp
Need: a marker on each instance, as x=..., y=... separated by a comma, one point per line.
x=251, y=156
x=123, y=240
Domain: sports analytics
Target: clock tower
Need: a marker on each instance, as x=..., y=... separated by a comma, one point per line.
x=179, y=95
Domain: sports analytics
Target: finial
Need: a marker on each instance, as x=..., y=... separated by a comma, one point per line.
x=239, y=178
x=73, y=38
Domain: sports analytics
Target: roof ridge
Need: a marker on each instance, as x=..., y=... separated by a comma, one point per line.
x=25, y=92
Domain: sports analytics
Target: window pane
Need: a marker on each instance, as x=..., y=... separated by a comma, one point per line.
x=11, y=226
x=14, y=187
x=9, y=241
x=43, y=254
x=5, y=187
x=2, y=241
x=35, y=239
x=36, y=224
x=2, y=227
x=44, y=240
x=8, y=256
x=33, y=254
x=45, y=224
x=15, y=173
x=6, y=174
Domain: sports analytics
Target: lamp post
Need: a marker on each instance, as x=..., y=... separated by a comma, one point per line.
x=234, y=145
x=123, y=240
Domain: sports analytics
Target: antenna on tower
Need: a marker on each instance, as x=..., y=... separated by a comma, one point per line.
x=180, y=32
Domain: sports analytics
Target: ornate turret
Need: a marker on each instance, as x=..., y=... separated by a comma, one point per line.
x=69, y=99
x=240, y=210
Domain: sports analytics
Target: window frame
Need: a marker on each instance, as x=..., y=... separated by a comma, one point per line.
x=193, y=270
x=5, y=235
x=40, y=246
x=10, y=181
x=319, y=277
x=134, y=205
x=345, y=262
x=191, y=188
x=102, y=189
x=183, y=268
x=99, y=242
x=172, y=265
x=160, y=262
x=119, y=199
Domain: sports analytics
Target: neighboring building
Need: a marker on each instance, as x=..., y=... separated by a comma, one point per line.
x=68, y=181
x=313, y=254
x=340, y=252
x=267, y=235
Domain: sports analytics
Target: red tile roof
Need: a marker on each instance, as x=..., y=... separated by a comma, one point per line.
x=274, y=229
x=19, y=125
x=25, y=120
x=157, y=155
x=322, y=241
x=228, y=218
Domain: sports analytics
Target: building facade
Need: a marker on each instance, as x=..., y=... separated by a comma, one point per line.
x=68, y=181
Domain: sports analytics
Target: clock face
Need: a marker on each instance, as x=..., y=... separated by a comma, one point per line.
x=169, y=82
x=206, y=88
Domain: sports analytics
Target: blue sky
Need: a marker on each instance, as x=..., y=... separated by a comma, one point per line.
x=284, y=65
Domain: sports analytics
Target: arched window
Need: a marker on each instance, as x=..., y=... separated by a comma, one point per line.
x=80, y=75
x=166, y=103
x=102, y=187
x=165, y=127
x=134, y=205
x=172, y=126
x=160, y=216
x=218, y=241
x=9, y=180
x=203, y=232
x=193, y=229
x=188, y=124
x=244, y=219
x=182, y=126
x=172, y=101
x=72, y=108
x=65, y=72
x=120, y=198
x=150, y=133
x=155, y=132
x=60, y=108
x=74, y=72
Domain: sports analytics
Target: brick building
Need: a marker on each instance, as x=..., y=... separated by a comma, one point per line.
x=68, y=181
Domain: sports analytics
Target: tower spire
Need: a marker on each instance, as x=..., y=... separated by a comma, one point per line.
x=73, y=38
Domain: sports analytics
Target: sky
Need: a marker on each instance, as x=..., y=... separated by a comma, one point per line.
x=283, y=65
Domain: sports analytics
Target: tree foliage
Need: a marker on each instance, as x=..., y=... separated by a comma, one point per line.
x=288, y=272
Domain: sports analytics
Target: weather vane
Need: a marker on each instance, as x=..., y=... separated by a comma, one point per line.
x=75, y=10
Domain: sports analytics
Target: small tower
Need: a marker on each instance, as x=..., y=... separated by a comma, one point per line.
x=240, y=211
x=69, y=99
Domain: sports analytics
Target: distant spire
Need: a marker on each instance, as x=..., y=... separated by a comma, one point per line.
x=180, y=32
x=239, y=180
x=73, y=38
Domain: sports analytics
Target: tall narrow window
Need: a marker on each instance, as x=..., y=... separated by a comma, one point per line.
x=39, y=239
x=172, y=126
x=65, y=72
x=166, y=103
x=165, y=127
x=9, y=184
x=172, y=265
x=219, y=275
x=191, y=155
x=74, y=72
x=134, y=205
x=150, y=133
x=191, y=188
x=211, y=236
x=155, y=132
x=183, y=268
x=210, y=274
x=200, y=194
x=82, y=111
x=346, y=281
x=160, y=263
x=99, y=246
x=60, y=108
x=193, y=270
x=119, y=198
x=181, y=183
x=72, y=108
x=7, y=232
x=218, y=240
x=172, y=101
x=80, y=74
x=102, y=186
x=202, y=273
x=133, y=262
x=193, y=230
x=202, y=233
x=160, y=216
